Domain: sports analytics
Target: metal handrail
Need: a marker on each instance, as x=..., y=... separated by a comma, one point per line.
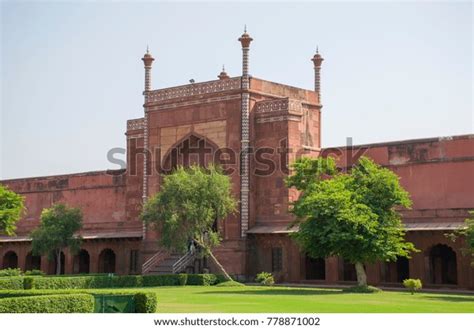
x=183, y=261
x=150, y=263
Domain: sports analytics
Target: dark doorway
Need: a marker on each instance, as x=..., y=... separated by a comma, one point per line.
x=10, y=260
x=315, y=268
x=395, y=271
x=107, y=261
x=82, y=262
x=32, y=262
x=443, y=267
x=403, y=269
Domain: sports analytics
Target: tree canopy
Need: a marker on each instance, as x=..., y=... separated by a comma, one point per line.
x=351, y=215
x=57, y=230
x=188, y=206
x=11, y=208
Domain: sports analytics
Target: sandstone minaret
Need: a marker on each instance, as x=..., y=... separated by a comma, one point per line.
x=245, y=40
x=317, y=60
x=147, y=61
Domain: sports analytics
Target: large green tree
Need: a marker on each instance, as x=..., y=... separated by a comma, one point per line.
x=351, y=215
x=57, y=230
x=189, y=203
x=11, y=208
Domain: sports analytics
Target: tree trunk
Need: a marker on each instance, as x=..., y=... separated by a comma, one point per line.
x=58, y=262
x=361, y=276
x=219, y=266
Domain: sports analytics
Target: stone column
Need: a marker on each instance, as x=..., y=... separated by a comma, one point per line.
x=147, y=61
x=245, y=40
x=317, y=60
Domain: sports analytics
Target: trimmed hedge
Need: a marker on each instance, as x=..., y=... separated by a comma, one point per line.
x=145, y=302
x=11, y=272
x=201, y=279
x=64, y=303
x=12, y=282
x=101, y=281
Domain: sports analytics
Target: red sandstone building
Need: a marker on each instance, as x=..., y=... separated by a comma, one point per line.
x=254, y=128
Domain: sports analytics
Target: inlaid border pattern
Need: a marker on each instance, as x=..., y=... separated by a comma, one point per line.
x=194, y=89
x=136, y=124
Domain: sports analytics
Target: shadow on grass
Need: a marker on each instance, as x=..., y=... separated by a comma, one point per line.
x=276, y=291
x=464, y=299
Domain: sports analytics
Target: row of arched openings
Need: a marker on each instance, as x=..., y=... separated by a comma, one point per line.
x=440, y=260
x=81, y=262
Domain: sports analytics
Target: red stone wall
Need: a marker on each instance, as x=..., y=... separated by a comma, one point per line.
x=100, y=195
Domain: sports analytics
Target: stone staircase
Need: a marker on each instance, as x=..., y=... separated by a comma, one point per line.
x=167, y=263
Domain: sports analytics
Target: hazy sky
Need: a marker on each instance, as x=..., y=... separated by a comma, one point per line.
x=71, y=73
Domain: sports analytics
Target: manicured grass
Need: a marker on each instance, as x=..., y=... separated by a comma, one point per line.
x=254, y=299
x=278, y=299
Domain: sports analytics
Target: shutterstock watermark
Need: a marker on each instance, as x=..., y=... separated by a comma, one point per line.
x=264, y=160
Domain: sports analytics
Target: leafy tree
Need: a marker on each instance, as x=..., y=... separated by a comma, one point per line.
x=11, y=208
x=467, y=231
x=350, y=215
x=189, y=203
x=57, y=230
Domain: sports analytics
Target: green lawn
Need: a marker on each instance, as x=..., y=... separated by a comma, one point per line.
x=254, y=299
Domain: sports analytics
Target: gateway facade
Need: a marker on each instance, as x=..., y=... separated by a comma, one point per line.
x=254, y=129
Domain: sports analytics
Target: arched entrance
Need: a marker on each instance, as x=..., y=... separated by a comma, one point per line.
x=107, y=261
x=442, y=265
x=10, y=260
x=315, y=268
x=192, y=150
x=81, y=262
x=32, y=262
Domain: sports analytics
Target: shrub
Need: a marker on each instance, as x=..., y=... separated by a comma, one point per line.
x=57, y=282
x=183, y=279
x=160, y=280
x=362, y=289
x=34, y=272
x=11, y=272
x=265, y=279
x=11, y=283
x=220, y=278
x=28, y=282
x=145, y=302
x=101, y=281
x=201, y=279
x=66, y=303
x=412, y=285
x=127, y=281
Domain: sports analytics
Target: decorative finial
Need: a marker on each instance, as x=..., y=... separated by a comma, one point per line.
x=223, y=75
x=147, y=49
x=245, y=39
x=317, y=50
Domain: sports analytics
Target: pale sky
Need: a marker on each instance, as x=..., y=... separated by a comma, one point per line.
x=71, y=73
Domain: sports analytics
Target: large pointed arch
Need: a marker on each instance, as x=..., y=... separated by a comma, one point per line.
x=192, y=149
